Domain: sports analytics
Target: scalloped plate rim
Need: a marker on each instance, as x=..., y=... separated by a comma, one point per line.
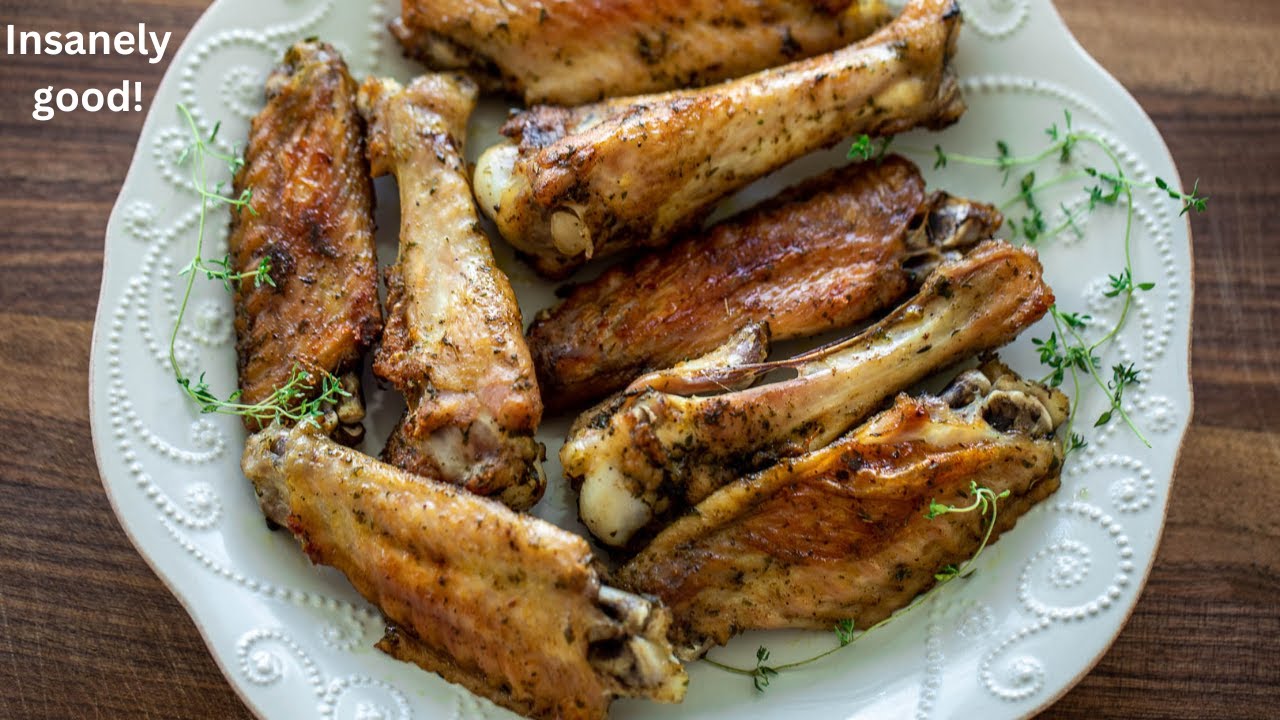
x=95, y=343
x=1101, y=71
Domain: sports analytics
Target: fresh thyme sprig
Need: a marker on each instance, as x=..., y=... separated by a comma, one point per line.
x=861, y=149
x=1065, y=352
x=984, y=503
x=864, y=149
x=984, y=500
x=296, y=400
x=220, y=269
x=763, y=673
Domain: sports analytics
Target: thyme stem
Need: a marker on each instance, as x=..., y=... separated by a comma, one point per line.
x=301, y=398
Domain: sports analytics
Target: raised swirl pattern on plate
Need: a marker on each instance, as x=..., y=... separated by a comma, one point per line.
x=1058, y=569
x=995, y=19
x=262, y=657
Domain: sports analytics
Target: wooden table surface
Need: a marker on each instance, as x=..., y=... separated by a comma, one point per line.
x=87, y=631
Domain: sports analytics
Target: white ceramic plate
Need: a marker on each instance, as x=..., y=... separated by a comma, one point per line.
x=295, y=640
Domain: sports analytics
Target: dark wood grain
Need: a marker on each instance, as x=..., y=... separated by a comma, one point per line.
x=87, y=631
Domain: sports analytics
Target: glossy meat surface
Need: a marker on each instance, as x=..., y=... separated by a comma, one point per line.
x=841, y=533
x=575, y=183
x=828, y=253
x=507, y=605
x=454, y=342
x=570, y=52
x=312, y=220
x=650, y=452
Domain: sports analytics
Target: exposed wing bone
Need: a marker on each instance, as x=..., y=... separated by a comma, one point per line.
x=826, y=254
x=454, y=344
x=840, y=533
x=572, y=184
x=647, y=453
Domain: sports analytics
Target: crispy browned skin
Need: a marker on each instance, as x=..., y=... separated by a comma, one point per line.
x=841, y=533
x=656, y=449
x=313, y=221
x=570, y=52
x=826, y=254
x=454, y=343
x=505, y=604
x=571, y=184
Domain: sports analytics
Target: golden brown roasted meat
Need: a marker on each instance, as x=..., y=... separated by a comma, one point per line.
x=841, y=533
x=568, y=52
x=506, y=605
x=454, y=341
x=575, y=183
x=312, y=221
x=826, y=254
x=660, y=446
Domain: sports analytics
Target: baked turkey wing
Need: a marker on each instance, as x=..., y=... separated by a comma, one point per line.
x=454, y=342
x=312, y=222
x=842, y=533
x=570, y=52
x=509, y=606
x=658, y=448
x=826, y=254
x=575, y=183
